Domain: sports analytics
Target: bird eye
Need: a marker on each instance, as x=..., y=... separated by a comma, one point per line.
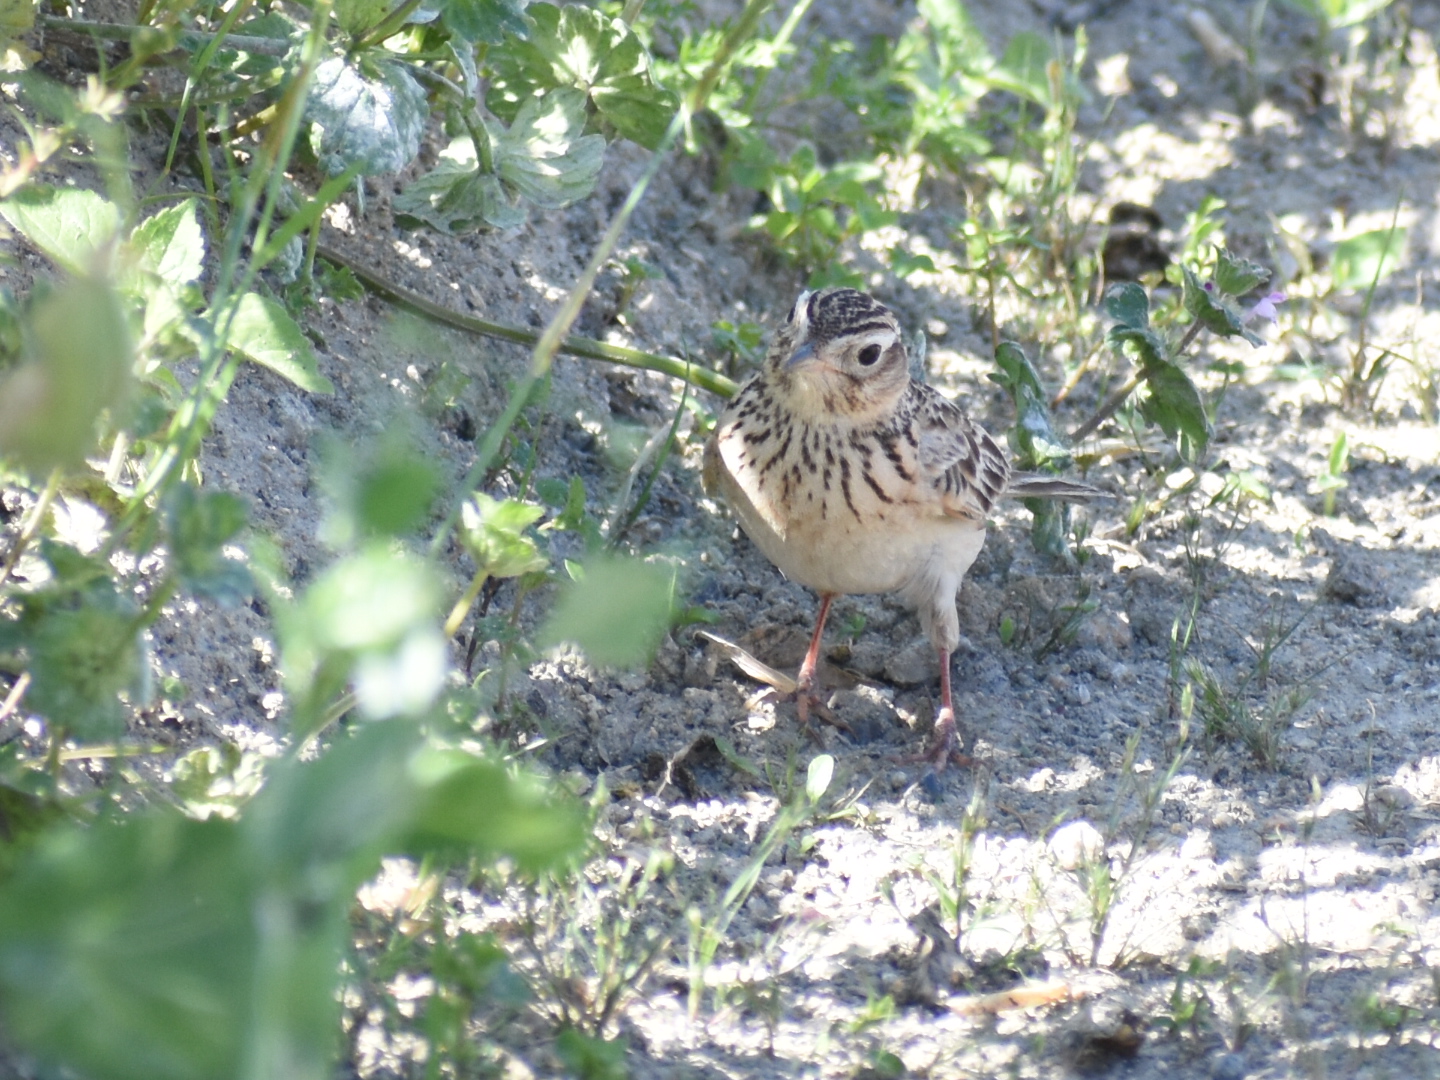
x=868, y=355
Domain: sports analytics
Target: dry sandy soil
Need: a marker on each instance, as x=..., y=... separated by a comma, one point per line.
x=1302, y=891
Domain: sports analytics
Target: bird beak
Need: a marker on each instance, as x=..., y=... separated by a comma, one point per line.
x=799, y=356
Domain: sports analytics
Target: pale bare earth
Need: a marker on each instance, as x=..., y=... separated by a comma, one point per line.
x=1299, y=891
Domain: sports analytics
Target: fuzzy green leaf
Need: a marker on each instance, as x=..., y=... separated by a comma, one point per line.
x=369, y=113
x=1236, y=275
x=264, y=331
x=68, y=224
x=485, y=20
x=1172, y=401
x=1362, y=260
x=494, y=532
x=172, y=245
x=1129, y=305
x=1213, y=311
x=545, y=156
x=584, y=49
x=1024, y=68
x=201, y=523
x=455, y=197
x=80, y=365
x=616, y=612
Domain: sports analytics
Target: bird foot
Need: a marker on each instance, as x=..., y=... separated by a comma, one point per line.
x=944, y=748
x=806, y=699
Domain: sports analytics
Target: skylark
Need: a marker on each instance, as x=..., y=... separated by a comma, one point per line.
x=854, y=478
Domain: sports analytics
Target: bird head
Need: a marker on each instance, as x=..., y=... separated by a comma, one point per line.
x=840, y=355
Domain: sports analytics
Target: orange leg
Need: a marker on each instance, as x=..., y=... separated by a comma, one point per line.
x=944, y=746
x=805, y=695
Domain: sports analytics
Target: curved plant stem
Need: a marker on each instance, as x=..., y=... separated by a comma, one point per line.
x=586, y=348
x=32, y=526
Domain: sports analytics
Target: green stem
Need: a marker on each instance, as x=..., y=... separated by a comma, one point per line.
x=32, y=525
x=462, y=606
x=586, y=348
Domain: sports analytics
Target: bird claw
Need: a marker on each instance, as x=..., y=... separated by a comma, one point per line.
x=807, y=699
x=944, y=748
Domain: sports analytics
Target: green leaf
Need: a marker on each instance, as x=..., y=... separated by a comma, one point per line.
x=200, y=524
x=1236, y=275
x=818, y=776
x=127, y=949
x=172, y=245
x=1337, y=14
x=544, y=156
x=616, y=613
x=357, y=16
x=1129, y=305
x=584, y=49
x=1172, y=401
x=1213, y=311
x=16, y=17
x=1024, y=68
x=1362, y=260
x=80, y=365
x=485, y=20
x=83, y=651
x=494, y=532
x=373, y=616
x=263, y=331
x=456, y=197
x=1033, y=439
x=394, y=493
x=370, y=114
x=590, y=1057
x=1144, y=346
x=465, y=804
x=68, y=224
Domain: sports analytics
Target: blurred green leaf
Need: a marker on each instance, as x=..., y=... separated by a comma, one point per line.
x=201, y=523
x=68, y=224
x=1236, y=275
x=616, y=613
x=172, y=245
x=1172, y=401
x=590, y=1057
x=16, y=17
x=1336, y=14
x=368, y=113
x=467, y=804
x=485, y=20
x=1024, y=68
x=81, y=359
x=357, y=16
x=818, y=775
x=494, y=532
x=82, y=650
x=1362, y=260
x=586, y=50
x=127, y=949
x=264, y=331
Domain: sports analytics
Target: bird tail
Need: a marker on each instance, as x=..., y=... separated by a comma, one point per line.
x=1035, y=486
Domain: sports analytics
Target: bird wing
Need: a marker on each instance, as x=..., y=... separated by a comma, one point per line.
x=961, y=462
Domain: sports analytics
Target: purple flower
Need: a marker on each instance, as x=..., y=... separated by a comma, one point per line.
x=1265, y=307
